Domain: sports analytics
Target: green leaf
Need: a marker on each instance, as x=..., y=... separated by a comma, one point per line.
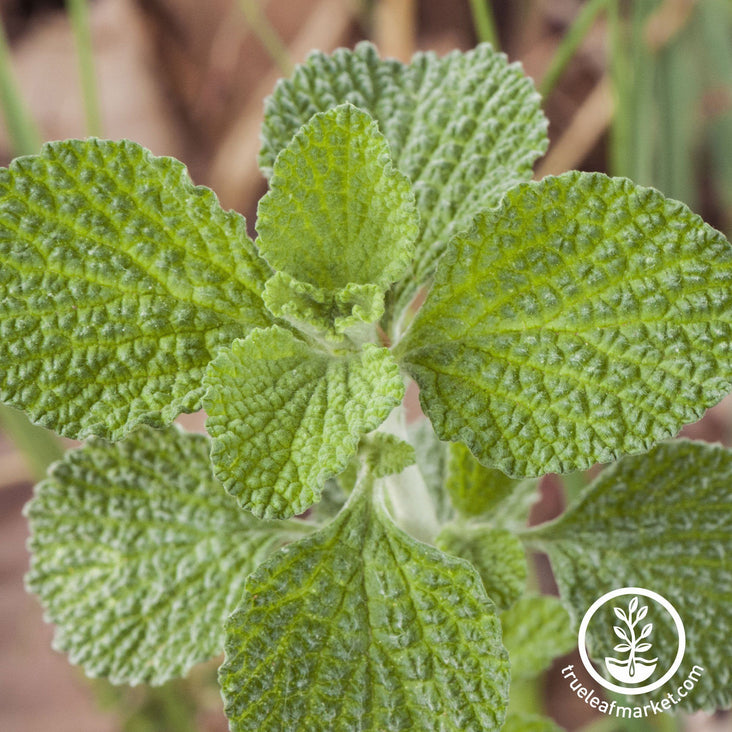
x=362, y=627
x=119, y=282
x=536, y=630
x=338, y=213
x=465, y=128
x=479, y=491
x=138, y=555
x=661, y=521
x=521, y=722
x=385, y=454
x=497, y=554
x=317, y=312
x=284, y=417
x=584, y=318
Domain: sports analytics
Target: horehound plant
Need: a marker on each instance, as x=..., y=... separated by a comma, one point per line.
x=361, y=574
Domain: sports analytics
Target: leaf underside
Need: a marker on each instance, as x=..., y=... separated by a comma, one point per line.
x=284, y=417
x=362, y=627
x=138, y=555
x=119, y=281
x=464, y=128
x=582, y=319
x=662, y=521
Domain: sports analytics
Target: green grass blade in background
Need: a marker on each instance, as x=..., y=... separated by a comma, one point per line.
x=79, y=16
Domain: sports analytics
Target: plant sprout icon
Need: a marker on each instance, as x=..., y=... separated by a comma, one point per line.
x=635, y=668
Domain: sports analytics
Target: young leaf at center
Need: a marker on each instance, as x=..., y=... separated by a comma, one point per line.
x=338, y=218
x=284, y=417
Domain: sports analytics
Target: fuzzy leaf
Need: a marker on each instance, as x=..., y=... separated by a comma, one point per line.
x=662, y=521
x=316, y=311
x=536, y=630
x=284, y=417
x=386, y=454
x=138, y=555
x=497, y=555
x=479, y=491
x=464, y=128
x=119, y=282
x=621, y=647
x=338, y=213
x=584, y=318
x=620, y=633
x=362, y=627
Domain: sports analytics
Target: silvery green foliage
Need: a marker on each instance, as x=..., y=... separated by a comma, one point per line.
x=573, y=320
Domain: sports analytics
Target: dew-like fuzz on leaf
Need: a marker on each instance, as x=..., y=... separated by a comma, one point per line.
x=284, y=417
x=661, y=521
x=119, y=281
x=464, y=128
x=139, y=555
x=361, y=627
x=584, y=318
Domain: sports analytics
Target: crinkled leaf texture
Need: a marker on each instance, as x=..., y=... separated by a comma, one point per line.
x=464, y=128
x=385, y=454
x=322, y=313
x=661, y=521
x=361, y=627
x=138, y=554
x=536, y=629
x=497, y=554
x=284, y=417
x=584, y=318
x=337, y=211
x=119, y=281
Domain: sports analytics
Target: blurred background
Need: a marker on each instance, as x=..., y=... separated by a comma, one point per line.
x=639, y=88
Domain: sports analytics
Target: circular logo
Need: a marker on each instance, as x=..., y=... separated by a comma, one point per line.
x=633, y=661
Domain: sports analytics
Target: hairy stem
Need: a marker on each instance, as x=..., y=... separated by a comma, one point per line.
x=410, y=501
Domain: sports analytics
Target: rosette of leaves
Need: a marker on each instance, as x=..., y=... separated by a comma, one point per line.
x=568, y=321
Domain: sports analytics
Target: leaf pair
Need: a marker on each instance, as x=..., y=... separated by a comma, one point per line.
x=139, y=557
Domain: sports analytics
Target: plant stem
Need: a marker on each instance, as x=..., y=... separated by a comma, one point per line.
x=259, y=24
x=570, y=43
x=22, y=130
x=79, y=15
x=484, y=22
x=408, y=496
